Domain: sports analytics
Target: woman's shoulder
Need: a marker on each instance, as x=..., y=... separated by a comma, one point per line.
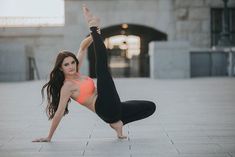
x=84, y=76
x=68, y=84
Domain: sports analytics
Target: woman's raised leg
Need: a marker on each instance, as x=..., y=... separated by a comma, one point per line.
x=108, y=102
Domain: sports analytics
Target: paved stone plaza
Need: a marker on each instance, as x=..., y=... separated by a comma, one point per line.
x=194, y=118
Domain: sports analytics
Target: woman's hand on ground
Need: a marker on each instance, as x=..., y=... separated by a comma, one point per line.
x=46, y=139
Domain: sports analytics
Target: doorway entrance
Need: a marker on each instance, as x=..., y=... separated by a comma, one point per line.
x=127, y=48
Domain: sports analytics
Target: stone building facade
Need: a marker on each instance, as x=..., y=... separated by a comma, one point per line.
x=186, y=25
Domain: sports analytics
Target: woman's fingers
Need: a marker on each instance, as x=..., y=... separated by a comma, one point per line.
x=36, y=140
x=41, y=140
x=122, y=137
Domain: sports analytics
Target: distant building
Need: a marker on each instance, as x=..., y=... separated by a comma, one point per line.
x=150, y=38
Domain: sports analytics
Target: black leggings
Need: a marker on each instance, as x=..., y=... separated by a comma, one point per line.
x=108, y=105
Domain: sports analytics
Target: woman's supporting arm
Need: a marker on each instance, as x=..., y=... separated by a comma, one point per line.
x=64, y=97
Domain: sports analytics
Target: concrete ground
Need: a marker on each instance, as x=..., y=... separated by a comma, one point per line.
x=194, y=118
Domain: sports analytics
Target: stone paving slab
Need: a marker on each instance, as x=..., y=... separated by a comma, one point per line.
x=194, y=118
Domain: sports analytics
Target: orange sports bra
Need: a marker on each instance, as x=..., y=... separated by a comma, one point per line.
x=86, y=89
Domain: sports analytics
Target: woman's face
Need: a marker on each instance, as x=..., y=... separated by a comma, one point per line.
x=69, y=66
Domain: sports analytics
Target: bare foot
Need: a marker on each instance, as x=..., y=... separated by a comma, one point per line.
x=87, y=13
x=117, y=126
x=90, y=18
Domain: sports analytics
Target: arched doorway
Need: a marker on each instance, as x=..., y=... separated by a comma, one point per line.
x=127, y=46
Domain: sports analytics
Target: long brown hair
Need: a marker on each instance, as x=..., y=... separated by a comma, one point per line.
x=55, y=84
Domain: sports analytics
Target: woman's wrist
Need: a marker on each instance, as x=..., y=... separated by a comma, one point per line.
x=49, y=138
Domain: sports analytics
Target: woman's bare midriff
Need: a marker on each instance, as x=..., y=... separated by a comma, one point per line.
x=90, y=102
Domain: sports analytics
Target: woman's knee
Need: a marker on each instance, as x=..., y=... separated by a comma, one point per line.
x=151, y=107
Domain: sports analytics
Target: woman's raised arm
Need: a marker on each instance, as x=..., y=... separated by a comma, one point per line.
x=83, y=49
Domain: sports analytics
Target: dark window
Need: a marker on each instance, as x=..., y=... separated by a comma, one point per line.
x=216, y=25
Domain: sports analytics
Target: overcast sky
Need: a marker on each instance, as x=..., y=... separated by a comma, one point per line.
x=32, y=8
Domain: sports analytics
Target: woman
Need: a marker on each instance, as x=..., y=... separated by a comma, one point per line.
x=66, y=82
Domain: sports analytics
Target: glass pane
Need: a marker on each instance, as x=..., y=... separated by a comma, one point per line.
x=232, y=38
x=216, y=20
x=232, y=19
x=216, y=25
x=215, y=39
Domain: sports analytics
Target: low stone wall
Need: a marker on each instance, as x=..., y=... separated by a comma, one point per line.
x=169, y=60
x=17, y=44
